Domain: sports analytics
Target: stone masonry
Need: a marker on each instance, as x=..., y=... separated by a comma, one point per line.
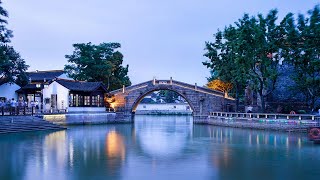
x=201, y=100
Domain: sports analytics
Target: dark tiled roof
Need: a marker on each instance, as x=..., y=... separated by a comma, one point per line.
x=80, y=85
x=3, y=81
x=41, y=75
x=147, y=101
x=30, y=87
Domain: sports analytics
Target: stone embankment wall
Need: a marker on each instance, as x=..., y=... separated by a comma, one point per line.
x=86, y=118
x=263, y=124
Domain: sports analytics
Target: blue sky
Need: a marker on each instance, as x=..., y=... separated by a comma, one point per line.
x=159, y=39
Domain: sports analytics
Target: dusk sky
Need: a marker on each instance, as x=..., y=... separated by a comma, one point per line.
x=162, y=39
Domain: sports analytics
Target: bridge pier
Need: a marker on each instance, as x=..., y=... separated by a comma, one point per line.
x=122, y=117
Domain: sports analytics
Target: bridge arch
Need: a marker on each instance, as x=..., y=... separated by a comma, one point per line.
x=201, y=100
x=140, y=98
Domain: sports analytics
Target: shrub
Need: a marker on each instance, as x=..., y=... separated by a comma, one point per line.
x=301, y=112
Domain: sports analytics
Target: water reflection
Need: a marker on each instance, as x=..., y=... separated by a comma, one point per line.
x=158, y=147
x=163, y=137
x=115, y=147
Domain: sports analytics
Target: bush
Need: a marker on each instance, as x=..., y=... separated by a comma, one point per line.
x=301, y=112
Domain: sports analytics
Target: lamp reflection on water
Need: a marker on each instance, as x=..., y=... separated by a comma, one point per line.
x=115, y=145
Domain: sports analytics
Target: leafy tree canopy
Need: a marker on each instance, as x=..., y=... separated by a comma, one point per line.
x=12, y=66
x=101, y=62
x=249, y=53
x=219, y=85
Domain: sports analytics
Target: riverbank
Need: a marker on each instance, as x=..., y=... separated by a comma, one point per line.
x=259, y=124
x=86, y=118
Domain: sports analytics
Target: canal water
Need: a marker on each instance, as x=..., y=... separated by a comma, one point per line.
x=158, y=147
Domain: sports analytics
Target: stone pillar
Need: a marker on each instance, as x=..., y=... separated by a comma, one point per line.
x=154, y=81
x=170, y=80
x=195, y=86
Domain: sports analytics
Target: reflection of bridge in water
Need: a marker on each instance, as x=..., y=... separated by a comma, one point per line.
x=202, y=100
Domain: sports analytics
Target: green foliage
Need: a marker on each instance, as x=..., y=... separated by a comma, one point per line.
x=5, y=34
x=302, y=49
x=301, y=112
x=12, y=66
x=169, y=96
x=101, y=62
x=247, y=54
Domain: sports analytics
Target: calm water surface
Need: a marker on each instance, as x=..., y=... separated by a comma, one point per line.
x=158, y=147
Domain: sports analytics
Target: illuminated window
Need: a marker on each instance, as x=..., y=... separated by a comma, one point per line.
x=87, y=100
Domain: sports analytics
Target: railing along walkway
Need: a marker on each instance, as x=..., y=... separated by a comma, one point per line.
x=18, y=111
x=293, y=119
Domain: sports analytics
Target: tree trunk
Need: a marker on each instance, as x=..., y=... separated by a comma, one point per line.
x=237, y=98
x=263, y=104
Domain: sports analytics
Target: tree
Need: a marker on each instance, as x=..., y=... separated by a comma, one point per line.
x=303, y=51
x=247, y=54
x=219, y=85
x=225, y=63
x=170, y=96
x=101, y=62
x=259, y=45
x=5, y=34
x=12, y=66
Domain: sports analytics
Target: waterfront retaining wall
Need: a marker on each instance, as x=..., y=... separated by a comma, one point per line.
x=260, y=124
x=86, y=118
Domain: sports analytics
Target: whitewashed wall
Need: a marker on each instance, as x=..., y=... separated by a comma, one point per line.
x=86, y=109
x=62, y=95
x=8, y=91
x=164, y=107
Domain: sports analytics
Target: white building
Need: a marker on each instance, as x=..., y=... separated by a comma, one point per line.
x=73, y=96
x=8, y=91
x=164, y=107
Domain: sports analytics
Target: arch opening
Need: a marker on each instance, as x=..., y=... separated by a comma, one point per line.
x=162, y=101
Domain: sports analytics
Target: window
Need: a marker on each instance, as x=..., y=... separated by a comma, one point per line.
x=71, y=103
x=47, y=101
x=87, y=100
x=94, y=100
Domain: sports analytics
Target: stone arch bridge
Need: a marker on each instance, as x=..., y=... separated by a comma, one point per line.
x=201, y=100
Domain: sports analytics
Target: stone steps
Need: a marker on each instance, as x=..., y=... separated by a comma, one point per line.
x=14, y=124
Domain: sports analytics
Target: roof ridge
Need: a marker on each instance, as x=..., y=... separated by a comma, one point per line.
x=45, y=71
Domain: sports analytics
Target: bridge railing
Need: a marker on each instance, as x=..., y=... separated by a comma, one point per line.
x=169, y=82
x=266, y=117
x=197, y=87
